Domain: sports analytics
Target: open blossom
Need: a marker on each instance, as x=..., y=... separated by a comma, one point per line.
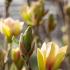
x=10, y=27
x=50, y=56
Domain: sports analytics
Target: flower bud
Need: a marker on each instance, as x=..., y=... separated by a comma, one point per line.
x=34, y=13
x=65, y=39
x=2, y=58
x=38, y=7
x=15, y=54
x=17, y=58
x=25, y=43
x=51, y=23
x=67, y=9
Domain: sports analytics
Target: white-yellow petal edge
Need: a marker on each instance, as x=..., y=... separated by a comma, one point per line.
x=59, y=58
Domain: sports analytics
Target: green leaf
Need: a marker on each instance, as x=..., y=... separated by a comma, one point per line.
x=27, y=38
x=40, y=59
x=15, y=41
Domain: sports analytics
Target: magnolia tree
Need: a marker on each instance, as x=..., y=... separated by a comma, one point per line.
x=19, y=45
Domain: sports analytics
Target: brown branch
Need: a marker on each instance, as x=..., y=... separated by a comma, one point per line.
x=7, y=6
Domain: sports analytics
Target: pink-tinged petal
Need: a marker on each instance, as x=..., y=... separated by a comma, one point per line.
x=9, y=22
x=15, y=26
x=51, y=58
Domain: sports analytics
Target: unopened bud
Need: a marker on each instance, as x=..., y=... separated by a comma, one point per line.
x=67, y=9
x=25, y=43
x=51, y=23
x=17, y=58
x=15, y=54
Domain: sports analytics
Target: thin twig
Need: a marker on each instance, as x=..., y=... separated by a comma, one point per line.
x=61, y=6
x=7, y=6
x=28, y=1
x=28, y=66
x=8, y=57
x=68, y=33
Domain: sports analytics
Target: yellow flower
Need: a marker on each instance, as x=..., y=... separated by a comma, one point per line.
x=50, y=56
x=34, y=13
x=10, y=27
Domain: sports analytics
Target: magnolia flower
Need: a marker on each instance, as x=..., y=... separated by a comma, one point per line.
x=34, y=13
x=10, y=27
x=50, y=56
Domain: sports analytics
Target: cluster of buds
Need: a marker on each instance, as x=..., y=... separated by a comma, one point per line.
x=50, y=56
x=34, y=13
x=10, y=27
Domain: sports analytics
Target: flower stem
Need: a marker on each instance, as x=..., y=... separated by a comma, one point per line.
x=68, y=49
x=28, y=67
x=68, y=31
x=8, y=56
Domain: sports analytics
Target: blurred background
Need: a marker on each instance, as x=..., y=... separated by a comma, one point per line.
x=50, y=5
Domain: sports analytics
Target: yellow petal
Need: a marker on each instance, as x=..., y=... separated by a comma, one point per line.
x=52, y=55
x=26, y=14
x=51, y=48
x=6, y=31
x=63, y=49
x=59, y=58
x=17, y=28
x=40, y=59
x=43, y=49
